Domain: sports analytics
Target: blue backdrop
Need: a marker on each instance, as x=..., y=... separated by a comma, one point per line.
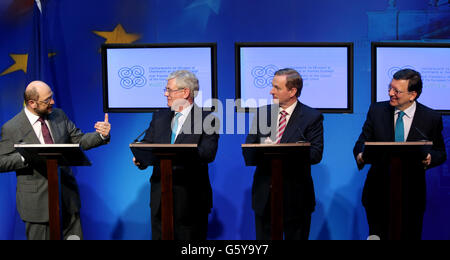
x=115, y=195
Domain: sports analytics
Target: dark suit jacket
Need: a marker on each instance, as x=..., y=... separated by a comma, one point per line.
x=379, y=127
x=191, y=185
x=32, y=195
x=305, y=124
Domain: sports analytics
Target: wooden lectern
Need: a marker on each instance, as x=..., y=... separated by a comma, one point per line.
x=54, y=155
x=165, y=155
x=400, y=158
x=276, y=154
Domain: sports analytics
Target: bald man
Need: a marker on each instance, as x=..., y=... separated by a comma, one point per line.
x=40, y=123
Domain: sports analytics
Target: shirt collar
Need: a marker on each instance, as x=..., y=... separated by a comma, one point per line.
x=409, y=112
x=290, y=109
x=186, y=110
x=31, y=117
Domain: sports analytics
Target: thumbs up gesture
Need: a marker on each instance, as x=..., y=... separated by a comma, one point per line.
x=103, y=127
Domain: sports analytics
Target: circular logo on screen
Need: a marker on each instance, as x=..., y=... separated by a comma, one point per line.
x=263, y=75
x=132, y=77
x=393, y=70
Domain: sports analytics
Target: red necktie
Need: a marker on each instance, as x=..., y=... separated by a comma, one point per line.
x=45, y=131
x=281, y=126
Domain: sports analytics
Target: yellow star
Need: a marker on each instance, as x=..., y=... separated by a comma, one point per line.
x=118, y=35
x=21, y=61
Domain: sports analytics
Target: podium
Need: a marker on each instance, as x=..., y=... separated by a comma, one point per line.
x=276, y=154
x=53, y=155
x=400, y=160
x=166, y=156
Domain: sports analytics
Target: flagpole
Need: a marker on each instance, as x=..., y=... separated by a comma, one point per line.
x=38, y=2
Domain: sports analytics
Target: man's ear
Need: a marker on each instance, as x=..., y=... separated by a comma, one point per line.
x=413, y=96
x=31, y=103
x=293, y=92
x=186, y=93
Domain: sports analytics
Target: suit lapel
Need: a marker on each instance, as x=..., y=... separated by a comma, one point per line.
x=55, y=129
x=413, y=134
x=190, y=124
x=389, y=121
x=167, y=124
x=26, y=129
x=292, y=125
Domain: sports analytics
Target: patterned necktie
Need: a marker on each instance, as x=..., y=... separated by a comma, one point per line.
x=175, y=127
x=281, y=126
x=45, y=131
x=399, y=128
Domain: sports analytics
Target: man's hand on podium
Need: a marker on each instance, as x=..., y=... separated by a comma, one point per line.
x=427, y=161
x=360, y=161
x=104, y=127
x=138, y=164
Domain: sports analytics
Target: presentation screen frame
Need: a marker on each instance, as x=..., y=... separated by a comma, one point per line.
x=105, y=47
x=350, y=52
x=400, y=45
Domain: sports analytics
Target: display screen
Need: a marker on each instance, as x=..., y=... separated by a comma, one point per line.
x=326, y=69
x=135, y=76
x=431, y=60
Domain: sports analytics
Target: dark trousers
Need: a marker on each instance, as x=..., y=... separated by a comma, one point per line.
x=41, y=231
x=191, y=226
x=412, y=223
x=294, y=228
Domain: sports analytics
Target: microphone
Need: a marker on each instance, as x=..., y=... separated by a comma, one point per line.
x=137, y=139
x=422, y=134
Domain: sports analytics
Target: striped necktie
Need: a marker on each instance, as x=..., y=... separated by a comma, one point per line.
x=400, y=128
x=175, y=127
x=281, y=126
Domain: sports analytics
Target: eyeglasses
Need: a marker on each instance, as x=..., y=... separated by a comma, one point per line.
x=170, y=91
x=396, y=91
x=46, y=102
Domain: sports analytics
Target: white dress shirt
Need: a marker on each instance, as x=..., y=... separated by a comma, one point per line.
x=289, y=111
x=184, y=114
x=407, y=118
x=37, y=127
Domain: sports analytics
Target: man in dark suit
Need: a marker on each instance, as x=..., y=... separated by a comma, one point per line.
x=400, y=119
x=184, y=123
x=40, y=123
x=288, y=121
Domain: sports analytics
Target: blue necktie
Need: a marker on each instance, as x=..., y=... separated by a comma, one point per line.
x=399, y=128
x=175, y=127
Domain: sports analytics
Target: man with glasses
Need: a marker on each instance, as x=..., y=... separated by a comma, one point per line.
x=40, y=123
x=184, y=123
x=400, y=119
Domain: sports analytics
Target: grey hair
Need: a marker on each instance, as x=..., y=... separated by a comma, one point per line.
x=185, y=79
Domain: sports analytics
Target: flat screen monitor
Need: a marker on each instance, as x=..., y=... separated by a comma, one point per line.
x=135, y=75
x=326, y=70
x=431, y=60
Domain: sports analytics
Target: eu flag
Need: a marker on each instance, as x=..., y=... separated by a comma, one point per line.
x=38, y=59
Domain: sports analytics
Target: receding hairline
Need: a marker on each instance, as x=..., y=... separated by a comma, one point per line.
x=33, y=89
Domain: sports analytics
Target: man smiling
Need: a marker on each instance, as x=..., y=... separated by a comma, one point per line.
x=400, y=119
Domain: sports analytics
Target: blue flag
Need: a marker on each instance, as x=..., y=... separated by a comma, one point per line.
x=38, y=58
